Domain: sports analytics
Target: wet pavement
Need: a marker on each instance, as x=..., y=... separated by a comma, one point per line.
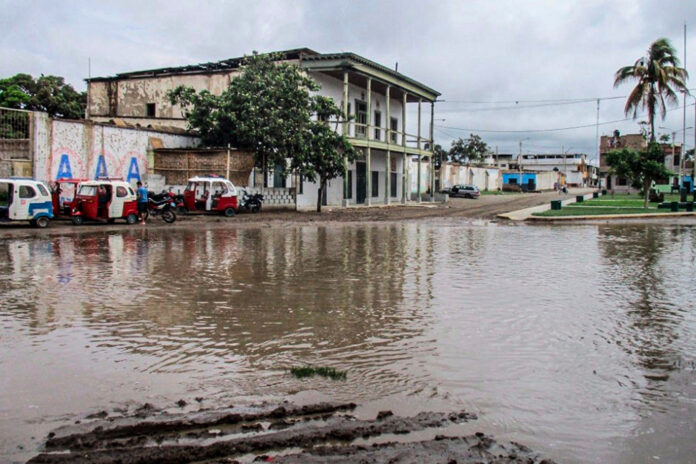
x=577, y=341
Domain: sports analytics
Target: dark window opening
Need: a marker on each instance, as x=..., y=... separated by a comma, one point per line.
x=349, y=189
x=300, y=181
x=360, y=118
x=150, y=110
x=392, y=180
x=378, y=125
x=375, y=183
x=621, y=181
x=394, y=127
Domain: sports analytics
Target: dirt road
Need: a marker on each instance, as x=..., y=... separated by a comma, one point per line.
x=486, y=207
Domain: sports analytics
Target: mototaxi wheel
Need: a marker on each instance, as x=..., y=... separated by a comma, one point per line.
x=42, y=222
x=78, y=220
x=229, y=212
x=168, y=216
x=131, y=219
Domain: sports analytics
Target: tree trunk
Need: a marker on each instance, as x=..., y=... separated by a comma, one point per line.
x=320, y=194
x=646, y=187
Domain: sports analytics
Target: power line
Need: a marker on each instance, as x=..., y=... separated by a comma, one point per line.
x=548, y=100
x=557, y=129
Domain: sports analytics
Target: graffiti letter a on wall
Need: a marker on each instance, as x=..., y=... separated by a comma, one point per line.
x=64, y=171
x=101, y=168
x=133, y=171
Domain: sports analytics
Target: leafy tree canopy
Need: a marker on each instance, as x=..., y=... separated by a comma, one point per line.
x=45, y=93
x=267, y=109
x=658, y=78
x=642, y=168
x=326, y=150
x=470, y=150
x=440, y=155
x=270, y=109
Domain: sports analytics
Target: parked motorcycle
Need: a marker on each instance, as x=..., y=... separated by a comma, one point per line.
x=161, y=204
x=250, y=203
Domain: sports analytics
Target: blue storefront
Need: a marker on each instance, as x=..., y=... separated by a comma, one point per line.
x=526, y=179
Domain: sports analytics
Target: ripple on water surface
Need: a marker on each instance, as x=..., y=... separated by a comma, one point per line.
x=574, y=339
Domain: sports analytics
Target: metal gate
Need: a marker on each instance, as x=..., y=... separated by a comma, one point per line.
x=15, y=142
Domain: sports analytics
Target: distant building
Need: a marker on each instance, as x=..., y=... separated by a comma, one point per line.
x=616, y=141
x=374, y=95
x=573, y=165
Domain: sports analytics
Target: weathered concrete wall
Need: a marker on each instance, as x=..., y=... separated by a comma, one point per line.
x=484, y=178
x=82, y=149
x=131, y=96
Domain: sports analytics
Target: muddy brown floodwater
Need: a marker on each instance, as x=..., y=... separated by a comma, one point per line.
x=577, y=341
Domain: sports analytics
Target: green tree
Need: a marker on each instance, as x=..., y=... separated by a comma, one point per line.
x=440, y=155
x=642, y=168
x=658, y=77
x=326, y=150
x=266, y=109
x=45, y=93
x=470, y=150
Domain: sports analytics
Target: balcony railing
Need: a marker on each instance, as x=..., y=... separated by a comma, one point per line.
x=392, y=138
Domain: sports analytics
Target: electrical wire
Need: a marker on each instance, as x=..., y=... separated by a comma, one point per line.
x=557, y=129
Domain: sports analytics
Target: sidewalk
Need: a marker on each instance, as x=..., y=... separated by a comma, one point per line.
x=523, y=214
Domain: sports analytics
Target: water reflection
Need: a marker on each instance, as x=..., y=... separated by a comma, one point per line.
x=570, y=339
x=215, y=301
x=639, y=262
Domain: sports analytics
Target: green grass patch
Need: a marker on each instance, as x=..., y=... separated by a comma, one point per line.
x=310, y=371
x=595, y=211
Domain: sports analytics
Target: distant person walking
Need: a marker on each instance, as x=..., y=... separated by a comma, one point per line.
x=142, y=202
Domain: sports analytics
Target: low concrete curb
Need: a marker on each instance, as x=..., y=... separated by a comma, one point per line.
x=523, y=214
x=608, y=216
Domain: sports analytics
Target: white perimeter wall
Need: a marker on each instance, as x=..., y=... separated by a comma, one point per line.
x=77, y=145
x=483, y=178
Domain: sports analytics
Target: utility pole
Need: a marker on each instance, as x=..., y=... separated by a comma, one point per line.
x=683, y=147
x=597, y=135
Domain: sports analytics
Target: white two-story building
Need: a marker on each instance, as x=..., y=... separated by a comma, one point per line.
x=393, y=165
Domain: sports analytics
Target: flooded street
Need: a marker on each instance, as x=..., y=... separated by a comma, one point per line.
x=578, y=341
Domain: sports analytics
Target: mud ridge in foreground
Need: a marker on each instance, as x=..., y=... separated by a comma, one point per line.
x=323, y=432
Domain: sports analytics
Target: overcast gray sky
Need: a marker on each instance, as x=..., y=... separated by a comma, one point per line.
x=473, y=51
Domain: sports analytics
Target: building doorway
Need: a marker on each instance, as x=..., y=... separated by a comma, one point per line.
x=361, y=182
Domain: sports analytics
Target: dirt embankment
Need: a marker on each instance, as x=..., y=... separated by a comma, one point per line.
x=316, y=433
x=486, y=207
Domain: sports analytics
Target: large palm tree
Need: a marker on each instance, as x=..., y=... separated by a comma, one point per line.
x=659, y=79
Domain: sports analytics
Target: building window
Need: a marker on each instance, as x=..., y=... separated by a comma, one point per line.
x=150, y=110
x=394, y=124
x=392, y=180
x=300, y=184
x=621, y=181
x=375, y=184
x=360, y=118
x=349, y=190
x=378, y=125
x=676, y=160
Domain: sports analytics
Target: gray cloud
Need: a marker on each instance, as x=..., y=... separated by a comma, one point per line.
x=470, y=51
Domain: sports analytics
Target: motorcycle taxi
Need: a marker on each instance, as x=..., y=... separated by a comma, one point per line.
x=23, y=199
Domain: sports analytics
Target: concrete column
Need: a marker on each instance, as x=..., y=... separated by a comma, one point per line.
x=404, y=181
x=387, y=183
x=420, y=157
x=345, y=130
x=368, y=132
